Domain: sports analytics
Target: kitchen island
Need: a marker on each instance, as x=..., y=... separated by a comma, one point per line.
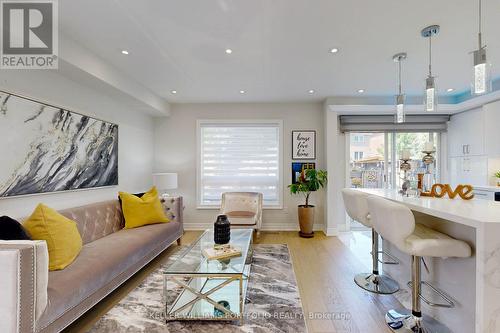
x=473, y=283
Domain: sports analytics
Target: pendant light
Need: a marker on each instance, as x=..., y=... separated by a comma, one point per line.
x=430, y=93
x=400, y=97
x=481, y=82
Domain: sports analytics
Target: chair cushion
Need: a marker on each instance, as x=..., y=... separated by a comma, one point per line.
x=240, y=213
x=242, y=220
x=61, y=234
x=427, y=242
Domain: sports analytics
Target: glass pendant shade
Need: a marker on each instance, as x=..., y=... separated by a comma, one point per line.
x=400, y=108
x=400, y=97
x=430, y=94
x=481, y=81
x=481, y=76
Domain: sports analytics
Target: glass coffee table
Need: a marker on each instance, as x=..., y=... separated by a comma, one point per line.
x=202, y=289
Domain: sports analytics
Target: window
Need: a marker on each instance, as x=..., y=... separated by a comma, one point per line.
x=384, y=147
x=359, y=138
x=377, y=166
x=358, y=155
x=239, y=156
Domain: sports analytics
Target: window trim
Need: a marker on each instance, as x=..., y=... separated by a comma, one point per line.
x=201, y=122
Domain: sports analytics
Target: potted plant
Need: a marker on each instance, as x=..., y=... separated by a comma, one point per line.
x=497, y=175
x=310, y=180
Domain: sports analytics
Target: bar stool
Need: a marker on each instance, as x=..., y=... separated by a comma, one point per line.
x=356, y=205
x=396, y=223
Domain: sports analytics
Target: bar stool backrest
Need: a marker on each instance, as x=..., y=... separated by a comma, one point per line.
x=393, y=221
x=356, y=206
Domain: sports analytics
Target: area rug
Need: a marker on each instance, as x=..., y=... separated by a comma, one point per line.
x=272, y=303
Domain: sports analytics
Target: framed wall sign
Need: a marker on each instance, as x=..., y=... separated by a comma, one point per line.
x=298, y=167
x=303, y=145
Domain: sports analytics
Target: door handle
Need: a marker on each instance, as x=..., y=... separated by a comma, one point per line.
x=463, y=149
x=468, y=149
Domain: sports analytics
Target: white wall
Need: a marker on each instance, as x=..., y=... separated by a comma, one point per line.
x=336, y=166
x=135, y=137
x=175, y=151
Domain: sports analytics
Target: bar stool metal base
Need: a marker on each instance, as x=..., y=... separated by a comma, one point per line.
x=402, y=321
x=378, y=284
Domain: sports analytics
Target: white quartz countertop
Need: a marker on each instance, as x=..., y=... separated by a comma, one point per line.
x=468, y=212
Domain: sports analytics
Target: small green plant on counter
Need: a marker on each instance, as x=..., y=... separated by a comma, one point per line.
x=497, y=174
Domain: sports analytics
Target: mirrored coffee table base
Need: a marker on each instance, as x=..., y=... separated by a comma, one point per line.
x=209, y=290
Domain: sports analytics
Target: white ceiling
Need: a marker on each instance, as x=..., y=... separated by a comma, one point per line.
x=281, y=47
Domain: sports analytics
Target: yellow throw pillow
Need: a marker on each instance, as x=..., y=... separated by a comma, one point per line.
x=61, y=234
x=142, y=211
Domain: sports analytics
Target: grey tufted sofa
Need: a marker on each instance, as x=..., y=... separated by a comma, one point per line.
x=43, y=301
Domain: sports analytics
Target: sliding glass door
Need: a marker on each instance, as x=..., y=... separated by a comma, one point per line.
x=374, y=159
x=367, y=160
x=414, y=142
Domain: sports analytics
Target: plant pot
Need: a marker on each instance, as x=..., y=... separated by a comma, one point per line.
x=306, y=221
x=498, y=182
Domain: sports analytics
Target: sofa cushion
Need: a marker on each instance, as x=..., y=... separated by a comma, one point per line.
x=100, y=262
x=61, y=234
x=142, y=211
x=96, y=220
x=10, y=229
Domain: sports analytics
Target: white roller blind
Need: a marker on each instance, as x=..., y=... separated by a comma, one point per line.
x=239, y=157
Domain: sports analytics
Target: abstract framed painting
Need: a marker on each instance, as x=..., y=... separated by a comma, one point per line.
x=298, y=167
x=46, y=148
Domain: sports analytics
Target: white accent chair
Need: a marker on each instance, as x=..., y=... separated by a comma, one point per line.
x=243, y=209
x=395, y=223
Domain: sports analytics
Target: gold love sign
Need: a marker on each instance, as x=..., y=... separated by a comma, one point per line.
x=440, y=190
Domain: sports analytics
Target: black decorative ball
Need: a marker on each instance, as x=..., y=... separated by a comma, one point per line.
x=222, y=230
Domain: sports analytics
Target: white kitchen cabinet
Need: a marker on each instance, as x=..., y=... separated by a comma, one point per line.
x=466, y=134
x=474, y=145
x=469, y=170
x=492, y=129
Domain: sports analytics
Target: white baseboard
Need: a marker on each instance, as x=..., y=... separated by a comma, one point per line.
x=288, y=227
x=342, y=227
x=331, y=232
x=265, y=227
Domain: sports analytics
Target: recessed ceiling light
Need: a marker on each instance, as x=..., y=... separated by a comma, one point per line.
x=450, y=89
x=124, y=52
x=242, y=91
x=361, y=91
x=174, y=92
x=311, y=91
x=334, y=50
x=229, y=51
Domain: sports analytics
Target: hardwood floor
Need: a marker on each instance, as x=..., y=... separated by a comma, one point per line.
x=324, y=267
